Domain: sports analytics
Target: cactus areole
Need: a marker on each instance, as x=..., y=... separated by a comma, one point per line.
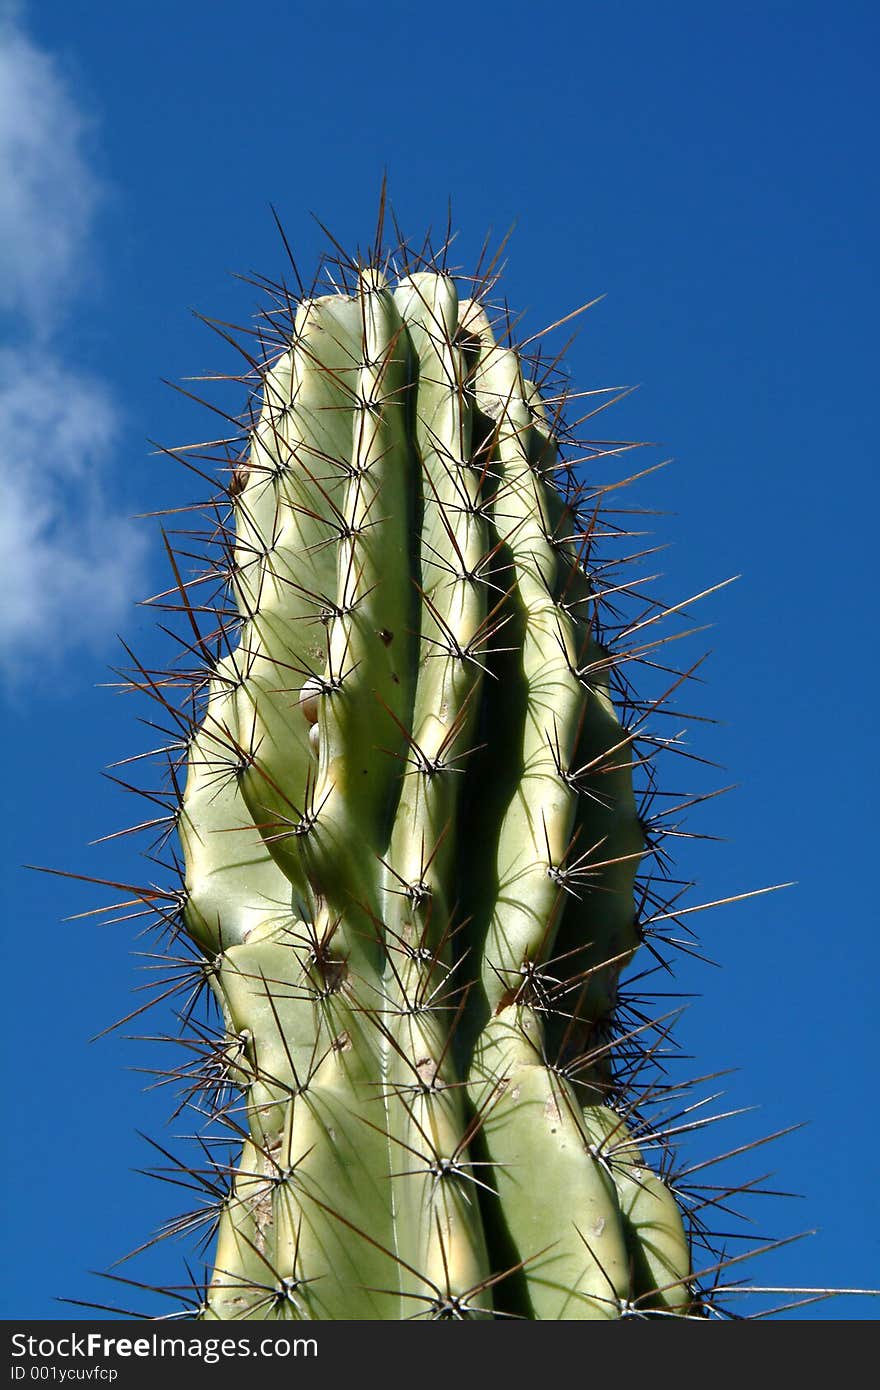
x=414, y=865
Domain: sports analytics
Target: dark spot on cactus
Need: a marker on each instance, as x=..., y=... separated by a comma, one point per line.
x=395, y=678
x=238, y=481
x=427, y=1070
x=387, y=637
x=334, y=972
x=510, y=996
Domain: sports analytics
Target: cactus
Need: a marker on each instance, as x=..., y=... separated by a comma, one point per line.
x=414, y=865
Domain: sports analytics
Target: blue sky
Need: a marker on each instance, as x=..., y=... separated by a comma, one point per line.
x=706, y=168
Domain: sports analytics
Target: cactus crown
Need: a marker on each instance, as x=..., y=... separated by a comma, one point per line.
x=412, y=791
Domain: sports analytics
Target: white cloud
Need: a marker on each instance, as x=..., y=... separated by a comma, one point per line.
x=68, y=561
x=48, y=193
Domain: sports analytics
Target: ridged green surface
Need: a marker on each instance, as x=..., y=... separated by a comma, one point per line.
x=411, y=840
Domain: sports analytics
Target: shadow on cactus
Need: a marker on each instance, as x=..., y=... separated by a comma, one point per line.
x=412, y=789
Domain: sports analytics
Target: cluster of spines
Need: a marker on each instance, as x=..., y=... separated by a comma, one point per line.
x=403, y=1077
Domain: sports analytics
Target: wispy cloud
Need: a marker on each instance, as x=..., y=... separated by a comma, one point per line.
x=48, y=193
x=68, y=561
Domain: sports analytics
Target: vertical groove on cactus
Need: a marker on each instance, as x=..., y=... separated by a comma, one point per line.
x=414, y=864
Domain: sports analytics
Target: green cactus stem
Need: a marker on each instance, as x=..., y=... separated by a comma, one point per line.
x=411, y=841
x=415, y=860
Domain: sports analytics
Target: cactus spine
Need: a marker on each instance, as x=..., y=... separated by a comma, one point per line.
x=411, y=839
